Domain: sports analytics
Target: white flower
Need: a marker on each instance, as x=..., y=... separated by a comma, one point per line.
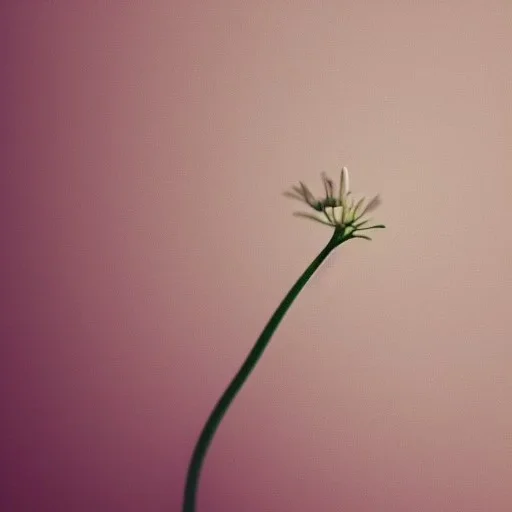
x=341, y=211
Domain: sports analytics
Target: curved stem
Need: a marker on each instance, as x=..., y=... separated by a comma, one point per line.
x=245, y=370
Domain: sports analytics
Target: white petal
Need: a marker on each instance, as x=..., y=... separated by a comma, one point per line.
x=343, y=185
x=338, y=214
x=345, y=179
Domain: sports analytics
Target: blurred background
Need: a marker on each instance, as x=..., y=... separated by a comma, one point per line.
x=146, y=241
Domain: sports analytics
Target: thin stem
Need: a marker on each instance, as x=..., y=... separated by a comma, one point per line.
x=245, y=370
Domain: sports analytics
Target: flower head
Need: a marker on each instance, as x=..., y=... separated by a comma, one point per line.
x=339, y=210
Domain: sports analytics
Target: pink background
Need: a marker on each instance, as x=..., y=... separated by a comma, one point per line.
x=146, y=243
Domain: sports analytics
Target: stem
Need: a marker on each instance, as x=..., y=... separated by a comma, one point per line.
x=245, y=370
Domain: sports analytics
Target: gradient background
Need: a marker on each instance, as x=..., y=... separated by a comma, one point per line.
x=146, y=242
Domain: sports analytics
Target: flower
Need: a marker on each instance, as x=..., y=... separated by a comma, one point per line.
x=339, y=211
x=344, y=215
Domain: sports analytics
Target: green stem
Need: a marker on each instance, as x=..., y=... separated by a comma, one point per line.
x=245, y=370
